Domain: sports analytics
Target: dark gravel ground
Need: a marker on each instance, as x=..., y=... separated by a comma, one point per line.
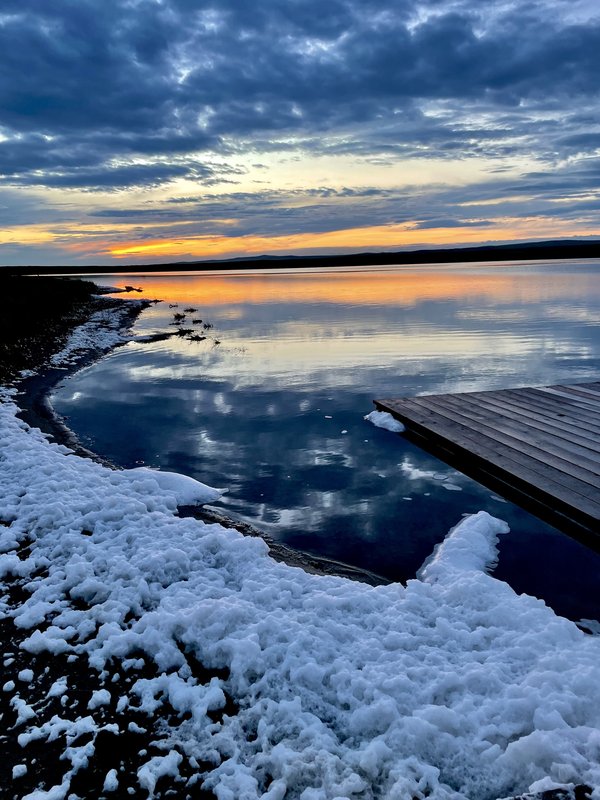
x=36, y=316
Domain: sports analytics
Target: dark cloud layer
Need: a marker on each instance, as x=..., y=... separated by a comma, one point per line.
x=128, y=93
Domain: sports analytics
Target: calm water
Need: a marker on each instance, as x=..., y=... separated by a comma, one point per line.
x=271, y=402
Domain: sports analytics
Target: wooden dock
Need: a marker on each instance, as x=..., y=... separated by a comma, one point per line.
x=539, y=447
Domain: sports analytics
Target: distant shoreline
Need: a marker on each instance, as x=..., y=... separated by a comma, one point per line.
x=530, y=251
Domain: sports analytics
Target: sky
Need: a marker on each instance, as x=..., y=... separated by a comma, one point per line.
x=141, y=131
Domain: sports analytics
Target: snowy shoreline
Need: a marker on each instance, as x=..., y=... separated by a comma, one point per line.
x=106, y=327
x=258, y=680
x=84, y=347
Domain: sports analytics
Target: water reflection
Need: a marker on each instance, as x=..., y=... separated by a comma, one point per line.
x=275, y=411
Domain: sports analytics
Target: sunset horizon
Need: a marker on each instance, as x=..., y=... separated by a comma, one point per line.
x=158, y=131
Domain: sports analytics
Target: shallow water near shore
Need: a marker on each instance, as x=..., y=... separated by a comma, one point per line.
x=269, y=400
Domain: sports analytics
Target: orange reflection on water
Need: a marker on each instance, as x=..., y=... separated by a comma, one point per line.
x=497, y=284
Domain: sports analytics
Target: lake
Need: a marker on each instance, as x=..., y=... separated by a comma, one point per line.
x=269, y=399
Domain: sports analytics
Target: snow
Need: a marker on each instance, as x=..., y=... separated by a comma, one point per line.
x=102, y=331
x=111, y=782
x=58, y=688
x=315, y=688
x=381, y=419
x=592, y=625
x=24, y=711
x=158, y=766
x=99, y=698
x=469, y=547
x=452, y=686
x=19, y=770
x=187, y=491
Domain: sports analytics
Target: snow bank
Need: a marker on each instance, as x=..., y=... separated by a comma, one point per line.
x=187, y=491
x=102, y=331
x=469, y=547
x=381, y=419
x=451, y=688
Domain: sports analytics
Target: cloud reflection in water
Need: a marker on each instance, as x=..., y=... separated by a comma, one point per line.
x=300, y=360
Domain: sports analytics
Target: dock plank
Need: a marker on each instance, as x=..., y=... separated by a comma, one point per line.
x=539, y=445
x=572, y=436
x=571, y=399
x=562, y=407
x=564, y=426
x=551, y=409
x=494, y=444
x=531, y=427
x=528, y=440
x=584, y=392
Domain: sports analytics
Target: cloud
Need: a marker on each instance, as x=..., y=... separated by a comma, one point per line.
x=567, y=193
x=159, y=109
x=84, y=81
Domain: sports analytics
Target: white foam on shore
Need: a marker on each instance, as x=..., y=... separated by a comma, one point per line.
x=452, y=686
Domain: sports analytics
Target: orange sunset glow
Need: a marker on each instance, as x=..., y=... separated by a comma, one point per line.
x=387, y=236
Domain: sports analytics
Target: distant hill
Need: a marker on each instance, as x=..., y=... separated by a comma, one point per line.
x=516, y=251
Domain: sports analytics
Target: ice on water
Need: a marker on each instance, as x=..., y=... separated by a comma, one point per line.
x=382, y=419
